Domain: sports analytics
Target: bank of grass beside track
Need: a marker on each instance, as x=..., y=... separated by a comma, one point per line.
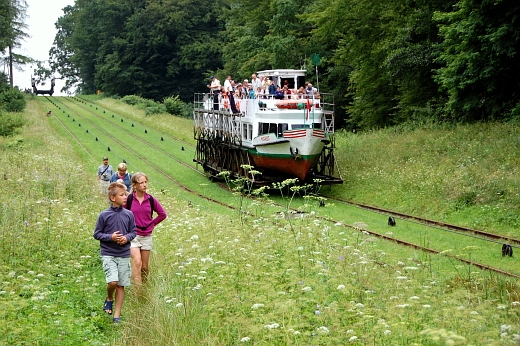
x=223, y=279
x=462, y=174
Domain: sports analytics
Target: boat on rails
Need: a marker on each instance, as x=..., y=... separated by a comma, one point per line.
x=281, y=136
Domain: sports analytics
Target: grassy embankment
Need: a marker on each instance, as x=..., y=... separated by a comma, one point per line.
x=218, y=281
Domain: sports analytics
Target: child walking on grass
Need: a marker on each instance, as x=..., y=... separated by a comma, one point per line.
x=115, y=229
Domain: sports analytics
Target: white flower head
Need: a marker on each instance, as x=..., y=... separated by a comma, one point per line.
x=323, y=330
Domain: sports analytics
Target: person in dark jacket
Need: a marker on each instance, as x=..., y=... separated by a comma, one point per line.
x=115, y=229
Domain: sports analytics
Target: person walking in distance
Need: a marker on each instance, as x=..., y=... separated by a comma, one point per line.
x=123, y=175
x=143, y=206
x=115, y=229
x=104, y=172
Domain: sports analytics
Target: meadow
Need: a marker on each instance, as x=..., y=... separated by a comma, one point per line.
x=224, y=278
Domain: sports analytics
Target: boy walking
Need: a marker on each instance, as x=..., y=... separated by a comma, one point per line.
x=115, y=228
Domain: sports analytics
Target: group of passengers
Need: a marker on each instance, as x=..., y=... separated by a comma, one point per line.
x=259, y=88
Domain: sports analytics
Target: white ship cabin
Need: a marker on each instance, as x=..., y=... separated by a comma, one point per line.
x=257, y=114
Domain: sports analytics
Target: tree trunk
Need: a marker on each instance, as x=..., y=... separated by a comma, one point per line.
x=11, y=65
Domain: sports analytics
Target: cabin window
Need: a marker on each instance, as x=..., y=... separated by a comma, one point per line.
x=275, y=128
x=244, y=131
x=263, y=128
x=281, y=129
x=247, y=132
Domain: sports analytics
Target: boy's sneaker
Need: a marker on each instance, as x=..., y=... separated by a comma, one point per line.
x=117, y=319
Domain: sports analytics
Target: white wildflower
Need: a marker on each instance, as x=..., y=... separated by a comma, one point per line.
x=245, y=339
x=258, y=305
x=323, y=330
x=272, y=326
x=341, y=287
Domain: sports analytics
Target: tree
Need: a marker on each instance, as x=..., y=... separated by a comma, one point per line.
x=12, y=33
x=481, y=42
x=61, y=54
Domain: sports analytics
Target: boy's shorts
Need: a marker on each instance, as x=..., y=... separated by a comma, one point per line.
x=145, y=243
x=117, y=269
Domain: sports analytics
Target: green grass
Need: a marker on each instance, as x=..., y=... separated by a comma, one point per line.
x=220, y=278
x=467, y=175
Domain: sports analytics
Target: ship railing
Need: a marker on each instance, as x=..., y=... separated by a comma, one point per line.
x=223, y=121
x=210, y=123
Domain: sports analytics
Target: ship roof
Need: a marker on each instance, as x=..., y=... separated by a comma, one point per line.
x=282, y=73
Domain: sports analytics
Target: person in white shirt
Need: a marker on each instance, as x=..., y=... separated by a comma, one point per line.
x=230, y=91
x=215, y=88
x=255, y=82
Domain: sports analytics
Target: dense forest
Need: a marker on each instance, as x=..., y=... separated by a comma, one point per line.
x=387, y=62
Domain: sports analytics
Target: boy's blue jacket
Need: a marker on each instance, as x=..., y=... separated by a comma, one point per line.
x=109, y=221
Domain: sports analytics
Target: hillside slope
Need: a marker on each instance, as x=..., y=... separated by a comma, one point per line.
x=464, y=174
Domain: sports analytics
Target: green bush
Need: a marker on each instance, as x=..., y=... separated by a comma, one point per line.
x=9, y=123
x=147, y=104
x=132, y=99
x=12, y=100
x=174, y=105
x=155, y=109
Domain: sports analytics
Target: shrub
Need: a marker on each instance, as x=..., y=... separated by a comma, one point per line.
x=9, y=123
x=155, y=109
x=132, y=99
x=147, y=104
x=174, y=105
x=12, y=100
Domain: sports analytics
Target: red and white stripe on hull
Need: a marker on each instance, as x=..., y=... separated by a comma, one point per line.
x=295, y=134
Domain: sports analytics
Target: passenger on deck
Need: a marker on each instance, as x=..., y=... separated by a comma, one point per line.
x=238, y=91
x=286, y=92
x=301, y=92
x=246, y=88
x=310, y=89
x=228, y=87
x=278, y=94
x=255, y=82
x=215, y=89
x=271, y=87
x=260, y=93
x=265, y=82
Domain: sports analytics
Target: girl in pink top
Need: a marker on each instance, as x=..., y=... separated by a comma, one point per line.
x=142, y=205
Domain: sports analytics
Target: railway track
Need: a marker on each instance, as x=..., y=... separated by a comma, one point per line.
x=440, y=226
x=433, y=223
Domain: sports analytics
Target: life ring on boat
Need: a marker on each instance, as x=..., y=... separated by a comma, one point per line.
x=290, y=104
